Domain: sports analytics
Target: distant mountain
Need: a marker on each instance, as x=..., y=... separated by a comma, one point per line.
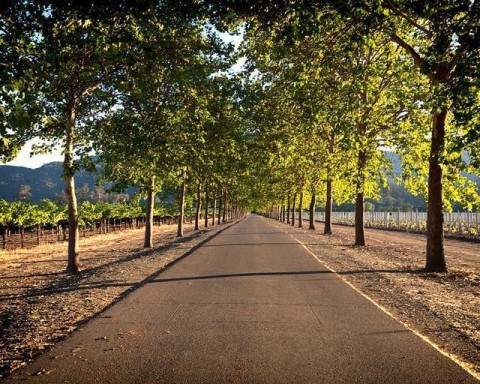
x=46, y=183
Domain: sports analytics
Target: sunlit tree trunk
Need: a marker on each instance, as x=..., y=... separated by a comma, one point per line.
x=300, y=209
x=359, y=214
x=435, y=247
x=312, y=212
x=73, y=265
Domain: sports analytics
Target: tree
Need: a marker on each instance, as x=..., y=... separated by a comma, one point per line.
x=71, y=54
x=442, y=39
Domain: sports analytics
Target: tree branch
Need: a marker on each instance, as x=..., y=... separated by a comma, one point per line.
x=418, y=60
x=406, y=17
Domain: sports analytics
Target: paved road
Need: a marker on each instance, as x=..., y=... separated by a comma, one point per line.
x=250, y=306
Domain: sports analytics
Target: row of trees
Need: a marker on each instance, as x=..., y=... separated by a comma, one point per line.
x=328, y=86
x=337, y=84
x=146, y=87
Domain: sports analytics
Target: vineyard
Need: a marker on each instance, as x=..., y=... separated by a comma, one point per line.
x=458, y=224
x=25, y=225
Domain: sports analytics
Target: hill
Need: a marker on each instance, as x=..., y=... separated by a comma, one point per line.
x=46, y=183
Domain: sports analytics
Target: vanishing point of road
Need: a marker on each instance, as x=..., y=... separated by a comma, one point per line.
x=249, y=306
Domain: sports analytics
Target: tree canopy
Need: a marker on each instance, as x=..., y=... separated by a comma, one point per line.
x=327, y=87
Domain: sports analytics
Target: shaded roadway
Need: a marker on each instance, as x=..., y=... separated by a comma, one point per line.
x=250, y=306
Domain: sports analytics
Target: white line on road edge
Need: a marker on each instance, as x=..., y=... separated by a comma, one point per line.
x=466, y=366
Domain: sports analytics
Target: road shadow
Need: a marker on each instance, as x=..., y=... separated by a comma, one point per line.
x=289, y=273
x=248, y=244
x=77, y=282
x=68, y=286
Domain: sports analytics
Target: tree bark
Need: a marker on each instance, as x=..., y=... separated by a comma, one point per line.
x=288, y=209
x=73, y=265
x=312, y=212
x=199, y=206
x=224, y=218
x=148, y=243
x=293, y=209
x=220, y=203
x=38, y=233
x=22, y=236
x=328, y=207
x=435, y=251
x=206, y=205
x=359, y=230
x=4, y=237
x=300, y=209
x=182, y=205
x=214, y=206
x=327, y=229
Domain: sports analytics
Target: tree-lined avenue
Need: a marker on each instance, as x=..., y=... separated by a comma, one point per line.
x=249, y=306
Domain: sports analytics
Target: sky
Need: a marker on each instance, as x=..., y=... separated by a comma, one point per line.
x=24, y=159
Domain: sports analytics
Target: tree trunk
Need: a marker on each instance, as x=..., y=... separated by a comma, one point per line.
x=300, y=210
x=214, y=206
x=182, y=205
x=199, y=206
x=73, y=265
x=328, y=207
x=22, y=235
x=359, y=230
x=293, y=209
x=4, y=237
x=288, y=209
x=206, y=205
x=435, y=252
x=220, y=203
x=312, y=212
x=39, y=228
x=148, y=242
x=224, y=218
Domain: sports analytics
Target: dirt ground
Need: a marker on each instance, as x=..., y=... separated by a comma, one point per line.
x=444, y=307
x=40, y=304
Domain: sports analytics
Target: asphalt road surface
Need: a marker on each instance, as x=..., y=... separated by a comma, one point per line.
x=250, y=306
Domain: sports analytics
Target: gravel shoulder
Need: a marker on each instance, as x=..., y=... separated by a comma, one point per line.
x=40, y=304
x=443, y=307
